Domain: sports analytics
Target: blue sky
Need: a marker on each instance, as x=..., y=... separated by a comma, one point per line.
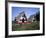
x=28, y=11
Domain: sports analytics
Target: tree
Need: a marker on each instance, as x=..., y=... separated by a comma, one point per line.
x=15, y=20
x=23, y=20
x=38, y=16
x=25, y=17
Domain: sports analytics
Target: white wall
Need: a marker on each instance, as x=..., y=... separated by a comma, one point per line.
x=2, y=20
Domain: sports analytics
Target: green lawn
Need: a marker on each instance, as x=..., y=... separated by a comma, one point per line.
x=19, y=27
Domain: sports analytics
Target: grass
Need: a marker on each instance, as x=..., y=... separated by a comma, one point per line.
x=19, y=27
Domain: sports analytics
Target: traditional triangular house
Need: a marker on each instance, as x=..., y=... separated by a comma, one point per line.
x=21, y=17
x=32, y=18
